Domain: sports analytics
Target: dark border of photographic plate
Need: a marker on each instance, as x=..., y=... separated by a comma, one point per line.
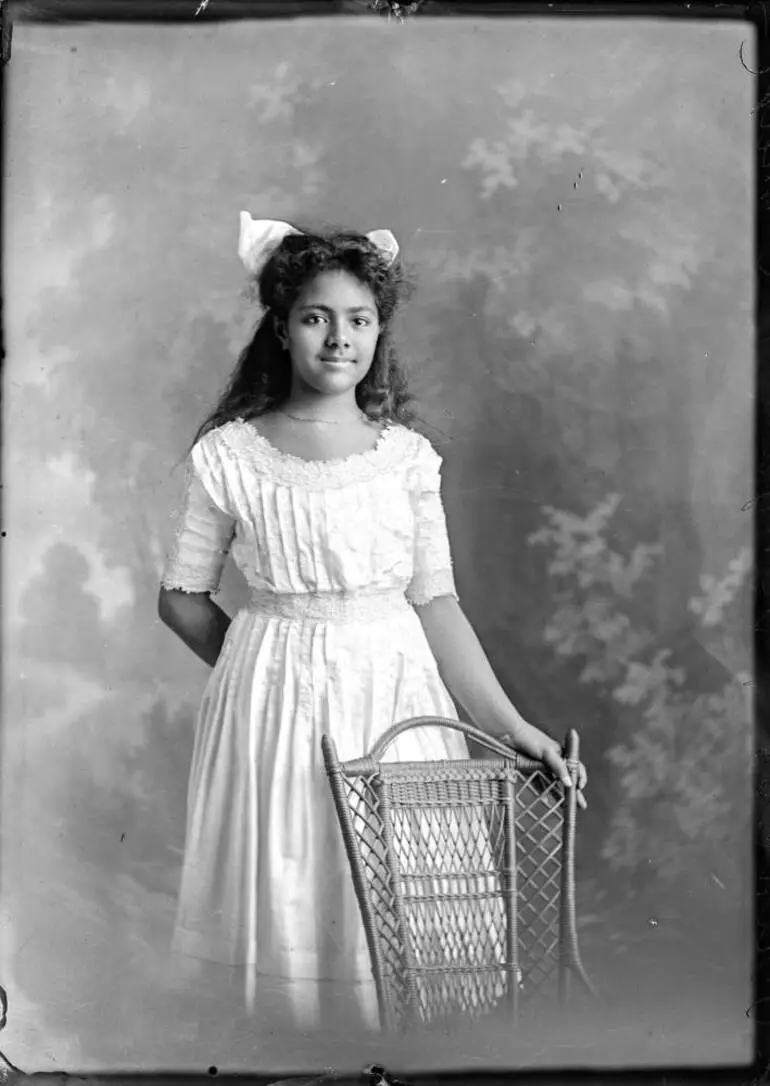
x=756, y=16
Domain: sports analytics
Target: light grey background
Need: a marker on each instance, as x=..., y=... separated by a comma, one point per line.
x=575, y=197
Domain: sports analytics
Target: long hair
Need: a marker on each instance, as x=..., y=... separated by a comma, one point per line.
x=261, y=379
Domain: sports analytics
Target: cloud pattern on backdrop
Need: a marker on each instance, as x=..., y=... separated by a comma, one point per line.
x=583, y=248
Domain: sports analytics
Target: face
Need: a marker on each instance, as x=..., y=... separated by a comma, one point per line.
x=332, y=334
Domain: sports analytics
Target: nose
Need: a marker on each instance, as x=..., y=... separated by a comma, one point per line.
x=336, y=336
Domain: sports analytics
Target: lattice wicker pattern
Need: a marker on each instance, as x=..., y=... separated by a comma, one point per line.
x=459, y=872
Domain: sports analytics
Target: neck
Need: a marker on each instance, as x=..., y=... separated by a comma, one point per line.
x=329, y=408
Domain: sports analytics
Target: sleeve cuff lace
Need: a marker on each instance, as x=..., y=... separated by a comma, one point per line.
x=429, y=587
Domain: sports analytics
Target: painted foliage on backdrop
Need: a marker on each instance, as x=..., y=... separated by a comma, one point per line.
x=581, y=347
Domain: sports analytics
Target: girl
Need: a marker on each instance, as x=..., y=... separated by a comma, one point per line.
x=309, y=473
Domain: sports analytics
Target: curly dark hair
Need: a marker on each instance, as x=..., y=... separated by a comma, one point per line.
x=261, y=380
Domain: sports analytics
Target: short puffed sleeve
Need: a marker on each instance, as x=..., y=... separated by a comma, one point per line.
x=205, y=526
x=433, y=574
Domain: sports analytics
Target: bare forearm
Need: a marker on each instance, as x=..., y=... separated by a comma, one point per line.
x=196, y=620
x=469, y=677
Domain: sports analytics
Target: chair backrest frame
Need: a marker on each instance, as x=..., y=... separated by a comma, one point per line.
x=505, y=768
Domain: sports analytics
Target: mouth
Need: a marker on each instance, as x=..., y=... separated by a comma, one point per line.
x=335, y=360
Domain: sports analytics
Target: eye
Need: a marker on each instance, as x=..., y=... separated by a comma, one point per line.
x=313, y=318
x=362, y=322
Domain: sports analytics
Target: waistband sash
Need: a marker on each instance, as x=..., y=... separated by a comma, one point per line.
x=359, y=606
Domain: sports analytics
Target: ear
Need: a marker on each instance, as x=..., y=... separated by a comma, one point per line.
x=281, y=333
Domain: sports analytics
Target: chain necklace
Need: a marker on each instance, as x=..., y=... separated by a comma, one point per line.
x=324, y=422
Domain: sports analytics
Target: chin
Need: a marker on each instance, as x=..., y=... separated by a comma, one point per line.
x=338, y=381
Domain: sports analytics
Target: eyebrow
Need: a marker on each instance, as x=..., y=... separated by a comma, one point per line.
x=328, y=309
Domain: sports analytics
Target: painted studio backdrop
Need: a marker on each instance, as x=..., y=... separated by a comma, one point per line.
x=575, y=200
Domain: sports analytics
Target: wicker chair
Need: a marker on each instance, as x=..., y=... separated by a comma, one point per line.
x=464, y=874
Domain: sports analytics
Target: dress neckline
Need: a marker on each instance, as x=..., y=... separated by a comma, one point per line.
x=332, y=462
x=396, y=447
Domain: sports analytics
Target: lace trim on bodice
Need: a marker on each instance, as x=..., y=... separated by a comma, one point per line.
x=241, y=440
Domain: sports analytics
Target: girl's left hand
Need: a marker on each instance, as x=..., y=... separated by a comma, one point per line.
x=544, y=749
x=552, y=757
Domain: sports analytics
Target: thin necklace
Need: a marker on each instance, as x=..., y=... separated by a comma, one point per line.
x=325, y=422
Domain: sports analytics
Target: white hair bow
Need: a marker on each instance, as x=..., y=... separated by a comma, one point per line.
x=259, y=237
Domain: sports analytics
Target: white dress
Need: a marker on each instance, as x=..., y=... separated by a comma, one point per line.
x=335, y=554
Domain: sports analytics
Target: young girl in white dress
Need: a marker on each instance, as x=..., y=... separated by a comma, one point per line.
x=309, y=474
